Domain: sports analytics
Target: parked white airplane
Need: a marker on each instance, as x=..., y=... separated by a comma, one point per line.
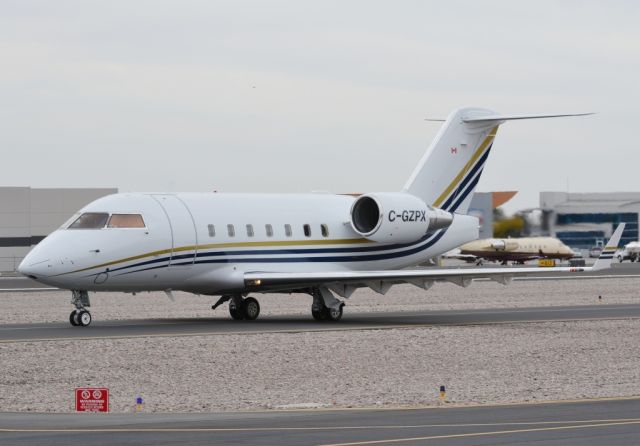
x=518, y=249
x=233, y=244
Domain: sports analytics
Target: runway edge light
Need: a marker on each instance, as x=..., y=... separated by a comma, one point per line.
x=443, y=394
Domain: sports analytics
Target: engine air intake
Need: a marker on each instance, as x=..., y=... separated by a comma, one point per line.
x=395, y=217
x=365, y=215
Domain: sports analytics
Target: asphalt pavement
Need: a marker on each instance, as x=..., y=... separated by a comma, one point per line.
x=585, y=423
x=222, y=324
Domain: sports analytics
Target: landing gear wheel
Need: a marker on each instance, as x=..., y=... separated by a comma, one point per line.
x=335, y=314
x=72, y=318
x=236, y=311
x=83, y=317
x=319, y=314
x=250, y=309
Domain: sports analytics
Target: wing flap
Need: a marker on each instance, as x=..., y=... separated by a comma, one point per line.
x=380, y=281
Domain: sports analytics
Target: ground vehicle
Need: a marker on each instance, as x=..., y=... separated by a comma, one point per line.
x=631, y=252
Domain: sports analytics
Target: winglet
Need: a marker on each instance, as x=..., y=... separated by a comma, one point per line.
x=606, y=256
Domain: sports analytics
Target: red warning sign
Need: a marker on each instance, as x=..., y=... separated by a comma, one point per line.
x=92, y=399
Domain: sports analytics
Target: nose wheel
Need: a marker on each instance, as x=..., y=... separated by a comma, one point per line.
x=80, y=317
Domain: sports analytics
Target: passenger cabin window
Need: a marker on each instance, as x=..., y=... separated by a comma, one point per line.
x=325, y=230
x=231, y=230
x=212, y=230
x=269, y=229
x=287, y=230
x=249, y=230
x=307, y=230
x=126, y=221
x=90, y=220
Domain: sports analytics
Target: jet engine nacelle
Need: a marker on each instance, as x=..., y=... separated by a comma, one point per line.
x=395, y=217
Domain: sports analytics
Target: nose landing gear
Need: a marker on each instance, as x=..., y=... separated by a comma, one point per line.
x=80, y=317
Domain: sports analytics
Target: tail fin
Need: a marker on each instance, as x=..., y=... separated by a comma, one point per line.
x=606, y=256
x=450, y=169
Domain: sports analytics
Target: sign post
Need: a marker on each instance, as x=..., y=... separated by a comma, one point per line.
x=92, y=399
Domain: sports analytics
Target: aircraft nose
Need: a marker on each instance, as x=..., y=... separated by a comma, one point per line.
x=34, y=267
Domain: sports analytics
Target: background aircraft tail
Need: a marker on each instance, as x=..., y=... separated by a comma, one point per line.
x=450, y=169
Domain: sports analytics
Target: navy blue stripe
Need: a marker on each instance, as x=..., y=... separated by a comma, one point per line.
x=472, y=172
x=469, y=190
x=292, y=251
x=372, y=257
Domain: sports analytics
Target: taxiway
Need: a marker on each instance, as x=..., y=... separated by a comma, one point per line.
x=581, y=423
x=223, y=325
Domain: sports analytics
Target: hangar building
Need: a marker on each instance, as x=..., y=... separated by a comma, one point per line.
x=28, y=215
x=583, y=220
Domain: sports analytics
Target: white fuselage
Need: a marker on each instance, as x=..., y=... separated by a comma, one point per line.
x=205, y=242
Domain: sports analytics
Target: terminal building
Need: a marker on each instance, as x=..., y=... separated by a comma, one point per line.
x=27, y=215
x=584, y=220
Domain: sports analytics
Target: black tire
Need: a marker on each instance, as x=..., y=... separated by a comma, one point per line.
x=319, y=314
x=250, y=309
x=83, y=318
x=72, y=318
x=235, y=312
x=335, y=314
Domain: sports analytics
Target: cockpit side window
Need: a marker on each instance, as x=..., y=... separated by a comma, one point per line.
x=126, y=221
x=90, y=220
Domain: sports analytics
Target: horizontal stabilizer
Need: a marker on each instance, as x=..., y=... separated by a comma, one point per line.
x=517, y=117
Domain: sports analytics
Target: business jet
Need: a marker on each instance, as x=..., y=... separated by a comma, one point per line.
x=517, y=250
x=323, y=245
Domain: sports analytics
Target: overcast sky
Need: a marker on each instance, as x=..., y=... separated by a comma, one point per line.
x=295, y=96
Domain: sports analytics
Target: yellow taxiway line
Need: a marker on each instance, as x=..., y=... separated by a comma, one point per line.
x=480, y=434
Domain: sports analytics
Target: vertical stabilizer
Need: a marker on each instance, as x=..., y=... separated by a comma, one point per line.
x=449, y=171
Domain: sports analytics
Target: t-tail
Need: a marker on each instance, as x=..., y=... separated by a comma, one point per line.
x=450, y=169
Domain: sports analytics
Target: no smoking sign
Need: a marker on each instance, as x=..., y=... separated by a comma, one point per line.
x=92, y=399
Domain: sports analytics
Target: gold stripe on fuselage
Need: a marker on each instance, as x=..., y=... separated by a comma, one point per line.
x=456, y=181
x=229, y=245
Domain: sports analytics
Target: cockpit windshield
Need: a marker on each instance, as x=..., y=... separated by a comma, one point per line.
x=126, y=221
x=99, y=220
x=90, y=220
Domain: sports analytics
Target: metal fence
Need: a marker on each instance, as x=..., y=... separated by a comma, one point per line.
x=10, y=264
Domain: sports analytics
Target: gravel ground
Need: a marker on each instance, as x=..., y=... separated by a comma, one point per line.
x=38, y=307
x=478, y=364
x=502, y=363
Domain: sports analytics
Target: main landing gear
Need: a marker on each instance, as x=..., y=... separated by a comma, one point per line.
x=80, y=317
x=325, y=306
x=240, y=308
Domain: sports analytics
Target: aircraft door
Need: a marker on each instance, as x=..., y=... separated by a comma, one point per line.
x=184, y=239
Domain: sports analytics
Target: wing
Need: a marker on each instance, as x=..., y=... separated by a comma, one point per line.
x=345, y=282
